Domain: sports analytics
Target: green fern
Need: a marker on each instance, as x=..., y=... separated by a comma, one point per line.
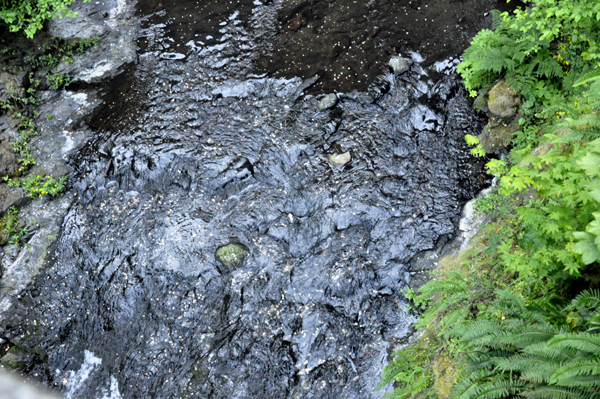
x=588, y=77
x=580, y=341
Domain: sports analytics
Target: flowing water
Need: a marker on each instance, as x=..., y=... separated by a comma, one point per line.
x=204, y=143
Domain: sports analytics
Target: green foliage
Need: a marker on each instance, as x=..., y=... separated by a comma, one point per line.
x=37, y=186
x=29, y=15
x=56, y=80
x=9, y=231
x=535, y=49
x=478, y=151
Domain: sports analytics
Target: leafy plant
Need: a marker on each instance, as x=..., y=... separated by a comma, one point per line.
x=9, y=231
x=37, y=186
x=29, y=15
x=56, y=80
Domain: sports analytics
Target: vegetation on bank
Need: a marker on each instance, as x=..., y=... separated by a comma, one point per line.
x=518, y=314
x=20, y=100
x=29, y=16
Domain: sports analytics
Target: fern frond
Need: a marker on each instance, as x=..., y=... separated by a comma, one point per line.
x=500, y=387
x=580, y=341
x=587, y=78
x=554, y=392
x=551, y=354
x=528, y=335
x=588, y=298
x=540, y=373
x=565, y=374
x=469, y=384
x=509, y=301
x=520, y=83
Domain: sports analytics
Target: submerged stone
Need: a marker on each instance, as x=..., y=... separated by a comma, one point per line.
x=231, y=255
x=340, y=159
x=399, y=64
x=327, y=102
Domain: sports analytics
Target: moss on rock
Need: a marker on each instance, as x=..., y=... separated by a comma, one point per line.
x=231, y=255
x=502, y=101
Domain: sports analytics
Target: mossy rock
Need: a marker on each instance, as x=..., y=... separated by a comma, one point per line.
x=502, y=102
x=496, y=138
x=231, y=255
x=340, y=159
x=17, y=359
x=446, y=374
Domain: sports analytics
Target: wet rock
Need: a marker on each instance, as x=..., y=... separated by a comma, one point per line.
x=425, y=261
x=8, y=161
x=328, y=101
x=231, y=255
x=340, y=159
x=17, y=359
x=115, y=48
x=399, y=64
x=361, y=97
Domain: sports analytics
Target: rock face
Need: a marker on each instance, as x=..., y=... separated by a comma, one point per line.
x=327, y=102
x=502, y=105
x=9, y=196
x=399, y=64
x=8, y=161
x=11, y=84
x=231, y=255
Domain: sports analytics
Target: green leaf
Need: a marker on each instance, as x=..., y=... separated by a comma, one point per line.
x=586, y=247
x=471, y=140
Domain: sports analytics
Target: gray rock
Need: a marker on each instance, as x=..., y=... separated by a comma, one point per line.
x=425, y=261
x=361, y=97
x=328, y=101
x=231, y=255
x=399, y=64
x=340, y=159
x=9, y=196
x=116, y=47
x=8, y=161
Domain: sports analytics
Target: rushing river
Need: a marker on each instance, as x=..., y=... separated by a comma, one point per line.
x=214, y=137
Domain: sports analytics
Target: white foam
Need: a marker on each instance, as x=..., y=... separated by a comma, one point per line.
x=114, y=390
x=76, y=379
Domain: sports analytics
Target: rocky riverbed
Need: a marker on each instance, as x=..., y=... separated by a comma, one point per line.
x=243, y=210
